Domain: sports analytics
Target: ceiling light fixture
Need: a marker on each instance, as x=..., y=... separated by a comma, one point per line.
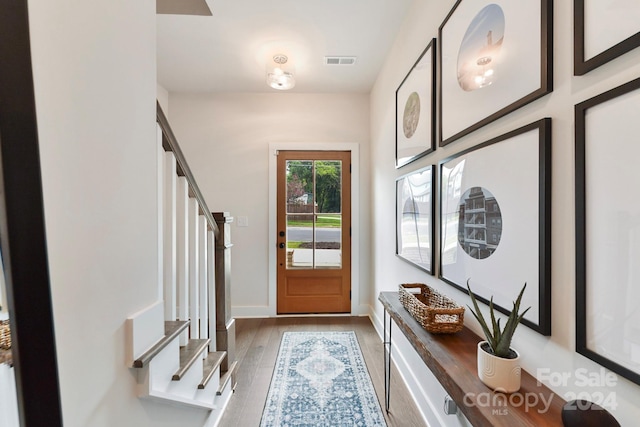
x=280, y=77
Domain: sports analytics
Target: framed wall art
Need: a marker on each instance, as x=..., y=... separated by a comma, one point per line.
x=414, y=218
x=415, y=109
x=495, y=219
x=495, y=57
x=608, y=230
x=603, y=30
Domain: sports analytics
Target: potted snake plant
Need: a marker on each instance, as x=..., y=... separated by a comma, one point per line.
x=498, y=363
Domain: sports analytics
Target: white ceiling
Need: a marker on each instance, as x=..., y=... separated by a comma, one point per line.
x=229, y=51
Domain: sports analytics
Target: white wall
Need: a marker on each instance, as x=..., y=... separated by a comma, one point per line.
x=8, y=397
x=163, y=99
x=94, y=71
x=225, y=138
x=555, y=352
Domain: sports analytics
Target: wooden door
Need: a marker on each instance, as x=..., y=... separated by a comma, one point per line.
x=314, y=232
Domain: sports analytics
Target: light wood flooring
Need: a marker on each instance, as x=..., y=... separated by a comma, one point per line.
x=257, y=344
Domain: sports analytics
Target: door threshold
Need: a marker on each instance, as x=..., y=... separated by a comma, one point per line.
x=315, y=315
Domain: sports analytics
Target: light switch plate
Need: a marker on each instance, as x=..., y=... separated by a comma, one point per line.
x=243, y=221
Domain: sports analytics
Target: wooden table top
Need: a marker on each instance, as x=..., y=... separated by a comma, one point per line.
x=453, y=360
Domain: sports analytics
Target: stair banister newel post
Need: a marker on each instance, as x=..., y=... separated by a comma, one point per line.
x=225, y=324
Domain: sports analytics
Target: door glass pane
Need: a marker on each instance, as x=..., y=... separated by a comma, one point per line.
x=300, y=186
x=300, y=241
x=314, y=220
x=328, y=241
x=328, y=186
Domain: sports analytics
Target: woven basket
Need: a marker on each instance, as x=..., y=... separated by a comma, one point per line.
x=5, y=335
x=435, y=312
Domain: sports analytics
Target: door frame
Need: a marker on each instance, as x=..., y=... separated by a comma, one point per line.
x=357, y=309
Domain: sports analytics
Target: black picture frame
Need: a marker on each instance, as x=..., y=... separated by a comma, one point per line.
x=22, y=228
x=605, y=266
x=415, y=109
x=495, y=221
x=477, y=82
x=619, y=25
x=415, y=214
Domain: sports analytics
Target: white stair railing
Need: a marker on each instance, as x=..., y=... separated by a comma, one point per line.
x=192, y=294
x=211, y=288
x=182, y=252
x=194, y=265
x=169, y=235
x=189, y=257
x=203, y=288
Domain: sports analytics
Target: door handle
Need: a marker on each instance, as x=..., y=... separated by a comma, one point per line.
x=281, y=245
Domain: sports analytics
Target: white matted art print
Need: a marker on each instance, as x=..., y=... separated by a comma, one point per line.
x=495, y=56
x=495, y=221
x=414, y=218
x=604, y=30
x=608, y=230
x=415, y=102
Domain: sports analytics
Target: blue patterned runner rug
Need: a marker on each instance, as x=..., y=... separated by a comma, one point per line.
x=320, y=379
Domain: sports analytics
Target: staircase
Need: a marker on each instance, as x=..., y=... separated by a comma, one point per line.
x=188, y=375
x=182, y=346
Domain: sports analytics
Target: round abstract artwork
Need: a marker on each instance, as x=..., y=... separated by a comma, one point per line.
x=411, y=115
x=479, y=223
x=479, y=51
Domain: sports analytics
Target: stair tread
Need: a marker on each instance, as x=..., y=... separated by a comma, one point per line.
x=189, y=354
x=226, y=377
x=172, y=329
x=211, y=363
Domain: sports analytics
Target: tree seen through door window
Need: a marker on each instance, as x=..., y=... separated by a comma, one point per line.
x=300, y=184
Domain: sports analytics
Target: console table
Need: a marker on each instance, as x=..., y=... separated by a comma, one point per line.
x=452, y=359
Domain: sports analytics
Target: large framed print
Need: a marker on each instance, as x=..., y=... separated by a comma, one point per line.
x=495, y=57
x=415, y=110
x=603, y=30
x=414, y=218
x=495, y=219
x=608, y=230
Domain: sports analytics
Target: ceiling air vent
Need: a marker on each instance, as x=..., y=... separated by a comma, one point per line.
x=339, y=60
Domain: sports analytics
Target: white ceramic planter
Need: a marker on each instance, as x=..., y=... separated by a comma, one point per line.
x=497, y=373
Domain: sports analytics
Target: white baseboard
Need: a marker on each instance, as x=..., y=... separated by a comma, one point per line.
x=262, y=311
x=247, y=311
x=362, y=310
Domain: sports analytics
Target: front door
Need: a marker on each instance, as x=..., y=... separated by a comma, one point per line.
x=314, y=232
